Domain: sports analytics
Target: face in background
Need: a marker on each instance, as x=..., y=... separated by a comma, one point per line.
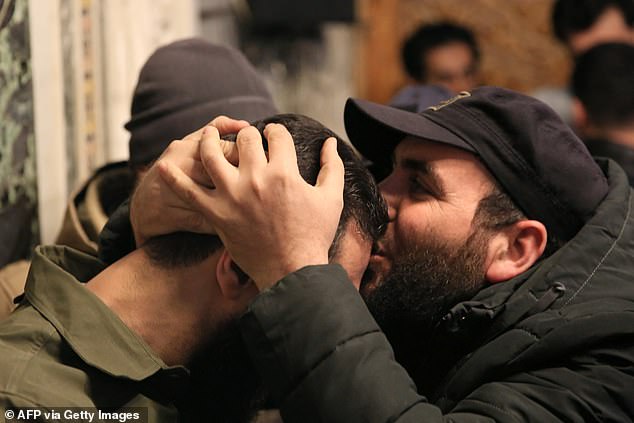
x=609, y=27
x=431, y=257
x=452, y=66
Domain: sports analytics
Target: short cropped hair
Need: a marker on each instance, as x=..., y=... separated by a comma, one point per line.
x=497, y=211
x=427, y=37
x=572, y=16
x=363, y=203
x=603, y=80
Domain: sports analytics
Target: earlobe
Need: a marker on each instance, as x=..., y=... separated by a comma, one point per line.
x=232, y=284
x=515, y=249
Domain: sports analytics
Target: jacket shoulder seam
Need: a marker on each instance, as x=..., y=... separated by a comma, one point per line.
x=605, y=256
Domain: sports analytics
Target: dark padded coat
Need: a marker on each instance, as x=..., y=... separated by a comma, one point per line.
x=554, y=344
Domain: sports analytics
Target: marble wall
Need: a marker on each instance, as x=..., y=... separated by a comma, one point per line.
x=86, y=56
x=18, y=187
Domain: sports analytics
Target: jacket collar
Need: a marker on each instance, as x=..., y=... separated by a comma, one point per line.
x=55, y=288
x=555, y=281
x=622, y=154
x=559, y=282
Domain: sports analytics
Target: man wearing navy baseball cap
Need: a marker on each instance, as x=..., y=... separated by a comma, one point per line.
x=503, y=283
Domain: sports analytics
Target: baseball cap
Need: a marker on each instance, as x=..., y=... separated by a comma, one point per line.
x=538, y=160
x=416, y=98
x=185, y=84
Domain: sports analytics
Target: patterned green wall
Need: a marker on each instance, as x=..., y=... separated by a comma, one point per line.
x=18, y=189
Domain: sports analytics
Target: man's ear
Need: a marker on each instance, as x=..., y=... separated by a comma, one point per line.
x=515, y=249
x=234, y=285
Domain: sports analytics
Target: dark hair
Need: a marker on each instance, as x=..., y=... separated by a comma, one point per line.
x=427, y=37
x=603, y=80
x=362, y=200
x=497, y=210
x=572, y=16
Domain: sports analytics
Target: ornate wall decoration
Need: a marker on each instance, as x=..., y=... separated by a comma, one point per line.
x=18, y=188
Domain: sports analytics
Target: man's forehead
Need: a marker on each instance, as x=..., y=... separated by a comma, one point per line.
x=414, y=147
x=442, y=161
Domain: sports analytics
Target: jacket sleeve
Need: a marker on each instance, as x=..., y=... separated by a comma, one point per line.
x=324, y=359
x=322, y=355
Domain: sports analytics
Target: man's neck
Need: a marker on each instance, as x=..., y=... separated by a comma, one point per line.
x=168, y=309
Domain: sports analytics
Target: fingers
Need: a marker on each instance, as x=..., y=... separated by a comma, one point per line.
x=195, y=136
x=230, y=150
x=185, y=188
x=185, y=148
x=195, y=170
x=226, y=125
x=281, y=146
x=250, y=149
x=213, y=159
x=190, y=221
x=331, y=175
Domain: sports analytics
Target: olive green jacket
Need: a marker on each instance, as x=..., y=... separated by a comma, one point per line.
x=63, y=347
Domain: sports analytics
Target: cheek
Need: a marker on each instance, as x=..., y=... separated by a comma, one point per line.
x=410, y=225
x=417, y=224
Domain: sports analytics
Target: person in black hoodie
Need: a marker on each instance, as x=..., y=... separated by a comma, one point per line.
x=603, y=107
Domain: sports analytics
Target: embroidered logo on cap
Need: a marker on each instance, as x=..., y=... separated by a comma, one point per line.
x=445, y=103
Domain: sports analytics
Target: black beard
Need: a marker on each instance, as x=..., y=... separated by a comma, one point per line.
x=419, y=290
x=224, y=385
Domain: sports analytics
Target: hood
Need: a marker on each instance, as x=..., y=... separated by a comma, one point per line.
x=585, y=287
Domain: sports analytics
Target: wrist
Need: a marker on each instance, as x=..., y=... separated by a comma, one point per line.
x=271, y=276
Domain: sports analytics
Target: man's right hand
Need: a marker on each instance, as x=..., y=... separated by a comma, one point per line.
x=269, y=218
x=155, y=209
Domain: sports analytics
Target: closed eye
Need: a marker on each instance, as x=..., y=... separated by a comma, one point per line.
x=417, y=186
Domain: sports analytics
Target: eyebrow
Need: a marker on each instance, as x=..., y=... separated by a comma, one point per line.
x=428, y=171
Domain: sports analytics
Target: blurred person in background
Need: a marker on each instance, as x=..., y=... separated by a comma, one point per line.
x=580, y=25
x=603, y=104
x=416, y=98
x=413, y=98
x=180, y=88
x=444, y=54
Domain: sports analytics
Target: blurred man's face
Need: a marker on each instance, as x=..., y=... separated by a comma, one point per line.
x=609, y=27
x=452, y=66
